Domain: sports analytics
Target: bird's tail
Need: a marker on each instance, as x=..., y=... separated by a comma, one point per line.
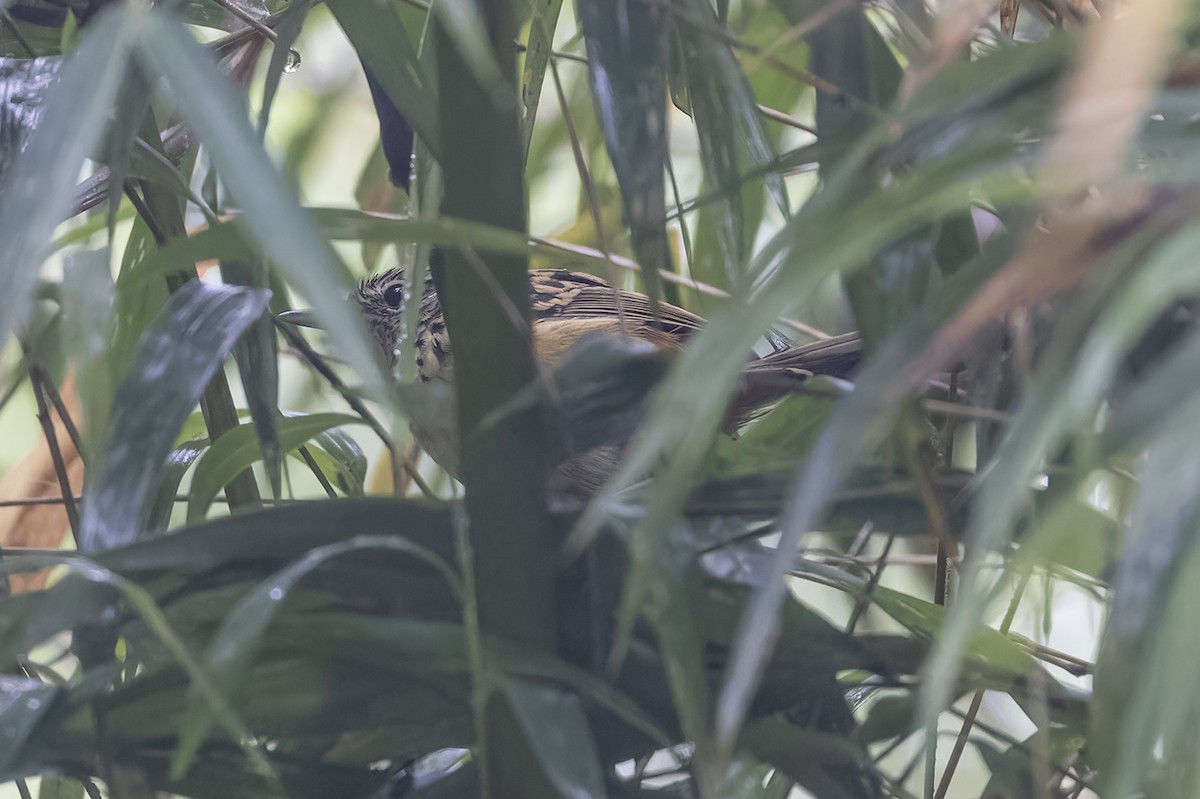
x=774, y=376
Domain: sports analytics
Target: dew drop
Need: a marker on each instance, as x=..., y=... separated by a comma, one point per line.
x=292, y=62
x=276, y=594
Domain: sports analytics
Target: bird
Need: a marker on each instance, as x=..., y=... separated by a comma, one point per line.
x=568, y=307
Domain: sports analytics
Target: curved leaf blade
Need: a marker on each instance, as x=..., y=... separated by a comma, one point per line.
x=385, y=48
x=240, y=447
x=39, y=188
x=175, y=359
x=627, y=73
x=243, y=629
x=270, y=210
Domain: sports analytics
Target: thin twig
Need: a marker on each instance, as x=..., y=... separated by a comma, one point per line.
x=316, y=470
x=1021, y=746
x=260, y=28
x=1069, y=663
x=297, y=342
x=160, y=237
x=965, y=411
x=60, y=466
x=960, y=743
x=61, y=408
x=27, y=501
x=864, y=600
x=785, y=119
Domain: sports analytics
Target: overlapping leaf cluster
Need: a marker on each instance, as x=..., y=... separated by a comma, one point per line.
x=1011, y=224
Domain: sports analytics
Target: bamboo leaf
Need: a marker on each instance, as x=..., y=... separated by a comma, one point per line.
x=240, y=447
x=175, y=359
x=39, y=187
x=627, y=72
x=272, y=213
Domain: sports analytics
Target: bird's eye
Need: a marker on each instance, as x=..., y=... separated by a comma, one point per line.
x=393, y=295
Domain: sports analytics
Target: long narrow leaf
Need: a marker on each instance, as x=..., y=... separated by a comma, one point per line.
x=240, y=447
x=272, y=213
x=175, y=360
x=39, y=188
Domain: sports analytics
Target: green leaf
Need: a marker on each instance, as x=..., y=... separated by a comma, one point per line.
x=243, y=629
x=1076, y=372
x=39, y=188
x=376, y=29
x=178, y=462
x=60, y=788
x=86, y=295
x=271, y=212
x=781, y=438
x=23, y=705
x=543, y=21
x=732, y=138
x=556, y=732
x=988, y=647
x=240, y=447
x=1074, y=535
x=827, y=765
x=626, y=67
x=341, y=460
x=175, y=359
x=257, y=356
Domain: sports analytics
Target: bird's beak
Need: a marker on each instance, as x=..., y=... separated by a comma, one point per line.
x=300, y=318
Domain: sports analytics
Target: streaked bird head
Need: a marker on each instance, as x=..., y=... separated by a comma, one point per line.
x=382, y=297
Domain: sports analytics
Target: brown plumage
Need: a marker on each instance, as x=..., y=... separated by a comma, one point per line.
x=567, y=306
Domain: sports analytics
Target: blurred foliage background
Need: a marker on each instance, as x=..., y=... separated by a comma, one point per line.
x=229, y=572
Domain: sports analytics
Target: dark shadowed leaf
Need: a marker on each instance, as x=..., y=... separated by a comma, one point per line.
x=554, y=726
x=257, y=359
x=827, y=764
x=732, y=138
x=627, y=71
x=1142, y=697
x=23, y=704
x=270, y=539
x=177, y=356
x=378, y=34
x=257, y=356
x=395, y=134
x=243, y=629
